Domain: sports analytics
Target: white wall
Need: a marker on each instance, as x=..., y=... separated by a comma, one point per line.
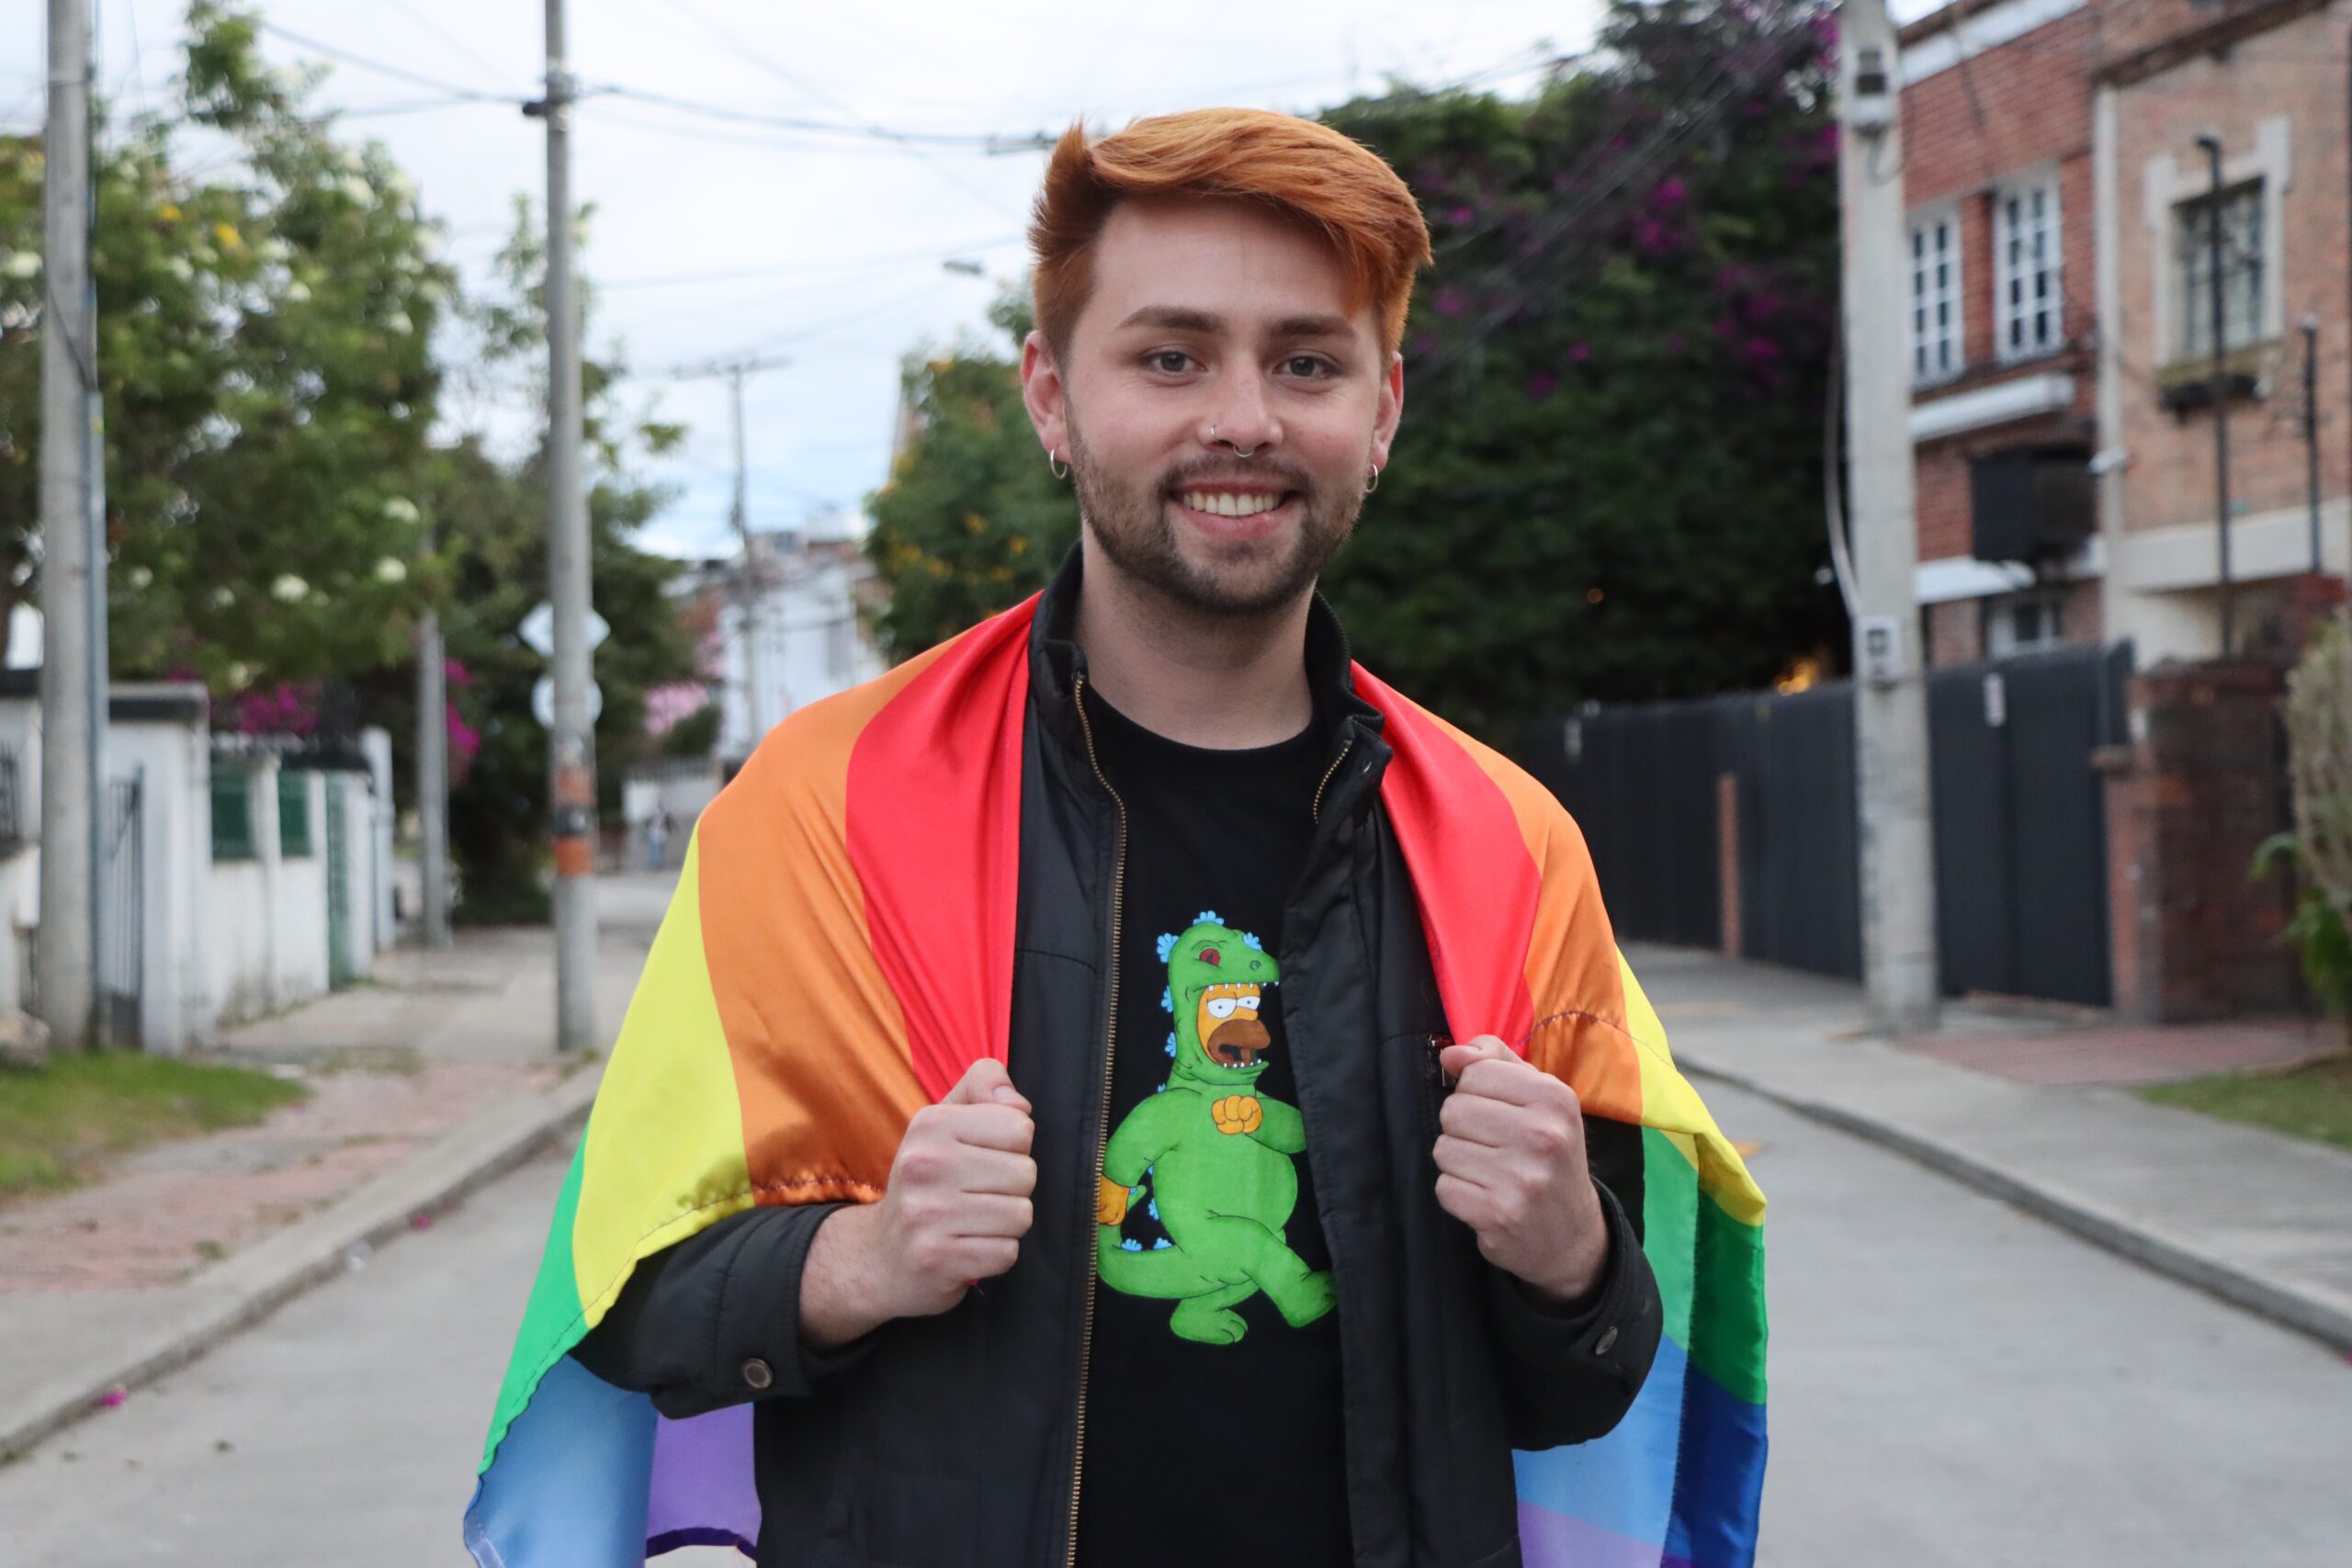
x=173, y=763
x=810, y=648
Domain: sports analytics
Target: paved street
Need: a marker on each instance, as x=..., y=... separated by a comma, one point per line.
x=1953, y=1383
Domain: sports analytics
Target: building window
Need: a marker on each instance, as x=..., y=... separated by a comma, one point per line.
x=232, y=814
x=293, y=814
x=1935, y=298
x=2020, y=623
x=2028, y=284
x=2240, y=212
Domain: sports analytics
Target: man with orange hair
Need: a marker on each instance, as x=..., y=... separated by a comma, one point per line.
x=1237, y=1257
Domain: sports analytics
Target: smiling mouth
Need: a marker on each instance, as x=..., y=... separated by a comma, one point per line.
x=1233, y=503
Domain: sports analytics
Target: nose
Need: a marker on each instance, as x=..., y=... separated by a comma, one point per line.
x=1241, y=421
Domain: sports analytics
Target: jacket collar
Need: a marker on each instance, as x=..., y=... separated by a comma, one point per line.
x=1056, y=662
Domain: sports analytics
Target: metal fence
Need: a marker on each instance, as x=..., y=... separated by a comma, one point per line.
x=2020, y=823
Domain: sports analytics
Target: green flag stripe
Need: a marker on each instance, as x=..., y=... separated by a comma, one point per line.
x=551, y=1315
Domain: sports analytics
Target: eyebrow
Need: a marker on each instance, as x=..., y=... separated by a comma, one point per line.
x=1183, y=318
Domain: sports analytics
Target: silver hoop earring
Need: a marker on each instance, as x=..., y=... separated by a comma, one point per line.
x=1375, y=481
x=1053, y=464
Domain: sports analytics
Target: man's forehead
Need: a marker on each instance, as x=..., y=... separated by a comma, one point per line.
x=1209, y=265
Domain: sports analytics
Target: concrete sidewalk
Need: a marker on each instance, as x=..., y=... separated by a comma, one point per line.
x=427, y=1083
x=2259, y=1219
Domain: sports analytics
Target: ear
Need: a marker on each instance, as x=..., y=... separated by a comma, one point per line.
x=1044, y=395
x=1391, y=410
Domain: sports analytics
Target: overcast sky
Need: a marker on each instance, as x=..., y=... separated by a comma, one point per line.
x=714, y=238
x=829, y=248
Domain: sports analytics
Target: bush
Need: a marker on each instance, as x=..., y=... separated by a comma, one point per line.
x=2319, y=750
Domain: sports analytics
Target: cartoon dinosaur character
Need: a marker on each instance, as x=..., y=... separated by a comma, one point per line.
x=1218, y=1153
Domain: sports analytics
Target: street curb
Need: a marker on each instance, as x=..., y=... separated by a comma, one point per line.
x=2288, y=1306
x=251, y=1285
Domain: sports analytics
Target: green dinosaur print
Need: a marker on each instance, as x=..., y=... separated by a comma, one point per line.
x=1218, y=1155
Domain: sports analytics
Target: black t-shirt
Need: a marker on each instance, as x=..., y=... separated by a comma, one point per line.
x=1213, y=1399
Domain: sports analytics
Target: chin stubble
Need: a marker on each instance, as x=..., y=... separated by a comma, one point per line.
x=1139, y=537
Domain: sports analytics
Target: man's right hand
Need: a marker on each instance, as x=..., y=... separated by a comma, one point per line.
x=953, y=1214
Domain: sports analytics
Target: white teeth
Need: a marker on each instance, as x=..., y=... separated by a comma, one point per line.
x=1226, y=504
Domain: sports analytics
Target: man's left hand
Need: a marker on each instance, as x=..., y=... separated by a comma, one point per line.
x=1511, y=1167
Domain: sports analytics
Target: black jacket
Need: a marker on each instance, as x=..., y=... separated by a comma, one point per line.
x=953, y=1441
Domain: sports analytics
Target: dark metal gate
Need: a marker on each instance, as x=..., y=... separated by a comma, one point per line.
x=2020, y=822
x=121, y=933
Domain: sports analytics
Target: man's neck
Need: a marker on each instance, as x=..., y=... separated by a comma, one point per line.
x=1219, y=682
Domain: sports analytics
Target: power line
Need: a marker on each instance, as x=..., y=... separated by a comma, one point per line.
x=844, y=264
x=397, y=72
x=993, y=144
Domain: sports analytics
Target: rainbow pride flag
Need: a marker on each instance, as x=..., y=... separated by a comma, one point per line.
x=856, y=882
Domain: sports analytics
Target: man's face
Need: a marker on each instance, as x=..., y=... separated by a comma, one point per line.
x=1217, y=328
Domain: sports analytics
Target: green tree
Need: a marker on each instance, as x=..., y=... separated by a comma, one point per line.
x=491, y=514
x=265, y=356
x=1608, y=481
x=971, y=520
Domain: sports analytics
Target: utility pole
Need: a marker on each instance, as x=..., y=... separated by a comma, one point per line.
x=747, y=582
x=432, y=771
x=66, y=961
x=2311, y=427
x=572, y=740
x=756, y=705
x=1898, y=866
x=2218, y=387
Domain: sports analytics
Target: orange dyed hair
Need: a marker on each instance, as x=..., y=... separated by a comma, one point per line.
x=1299, y=167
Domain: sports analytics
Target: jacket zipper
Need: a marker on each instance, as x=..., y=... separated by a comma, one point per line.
x=1346, y=743
x=1103, y=1124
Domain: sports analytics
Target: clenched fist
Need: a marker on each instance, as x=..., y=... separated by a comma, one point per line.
x=953, y=1214
x=1511, y=1167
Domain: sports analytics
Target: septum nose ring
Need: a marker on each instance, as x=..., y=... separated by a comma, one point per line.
x=1236, y=446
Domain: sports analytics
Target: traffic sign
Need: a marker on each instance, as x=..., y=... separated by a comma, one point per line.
x=542, y=701
x=538, y=630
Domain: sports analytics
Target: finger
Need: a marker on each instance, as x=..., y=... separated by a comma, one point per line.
x=992, y=1127
x=991, y=1217
x=1474, y=1163
x=993, y=1171
x=984, y=1257
x=1514, y=1081
x=985, y=1082
x=1466, y=1200
x=1455, y=1058
x=1480, y=1118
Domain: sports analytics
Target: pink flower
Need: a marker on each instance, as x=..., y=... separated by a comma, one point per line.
x=1459, y=214
x=1579, y=353
x=1539, y=385
x=1448, y=301
x=1671, y=192
x=455, y=674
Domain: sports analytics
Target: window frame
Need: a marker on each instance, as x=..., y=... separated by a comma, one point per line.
x=1921, y=295
x=2241, y=328
x=2013, y=307
x=295, y=840
x=233, y=806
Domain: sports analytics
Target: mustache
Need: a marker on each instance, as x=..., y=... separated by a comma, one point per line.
x=1223, y=470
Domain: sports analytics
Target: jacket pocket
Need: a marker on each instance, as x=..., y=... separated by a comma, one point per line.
x=1508, y=1557
x=886, y=1519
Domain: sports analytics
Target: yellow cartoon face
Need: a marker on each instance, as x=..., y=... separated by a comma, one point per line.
x=1228, y=1024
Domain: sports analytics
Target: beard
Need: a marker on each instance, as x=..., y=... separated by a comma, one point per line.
x=1132, y=526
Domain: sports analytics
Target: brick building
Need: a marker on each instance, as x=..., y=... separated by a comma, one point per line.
x=2059, y=309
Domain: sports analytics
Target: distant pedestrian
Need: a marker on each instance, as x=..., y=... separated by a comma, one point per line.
x=657, y=840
